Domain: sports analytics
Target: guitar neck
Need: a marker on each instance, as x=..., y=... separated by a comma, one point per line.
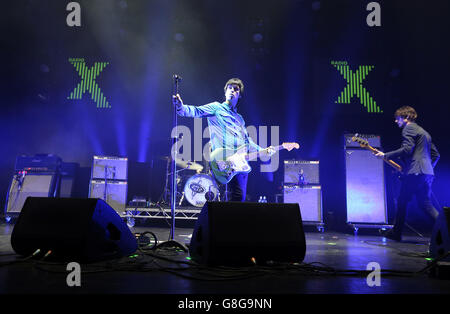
x=254, y=155
x=388, y=161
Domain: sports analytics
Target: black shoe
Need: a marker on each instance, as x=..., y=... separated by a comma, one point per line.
x=390, y=234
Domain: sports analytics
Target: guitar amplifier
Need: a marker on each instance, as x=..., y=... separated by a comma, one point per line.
x=24, y=185
x=309, y=199
x=115, y=196
x=38, y=163
x=68, y=174
x=373, y=140
x=365, y=187
x=302, y=172
x=111, y=168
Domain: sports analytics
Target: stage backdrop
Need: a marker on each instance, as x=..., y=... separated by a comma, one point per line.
x=85, y=78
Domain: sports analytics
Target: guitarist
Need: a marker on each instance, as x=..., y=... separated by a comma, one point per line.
x=226, y=127
x=420, y=156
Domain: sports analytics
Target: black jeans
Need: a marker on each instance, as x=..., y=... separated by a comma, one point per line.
x=237, y=187
x=420, y=186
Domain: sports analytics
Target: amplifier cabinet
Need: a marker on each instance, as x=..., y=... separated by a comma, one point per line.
x=35, y=185
x=301, y=172
x=309, y=199
x=365, y=187
x=38, y=163
x=68, y=175
x=115, y=196
x=113, y=168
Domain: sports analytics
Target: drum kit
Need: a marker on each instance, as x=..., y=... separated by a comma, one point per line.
x=195, y=183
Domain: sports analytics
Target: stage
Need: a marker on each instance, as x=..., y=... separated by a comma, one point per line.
x=335, y=263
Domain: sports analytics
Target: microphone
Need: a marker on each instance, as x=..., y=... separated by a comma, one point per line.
x=177, y=77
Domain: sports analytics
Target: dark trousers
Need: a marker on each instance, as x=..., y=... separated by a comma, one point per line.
x=237, y=187
x=420, y=186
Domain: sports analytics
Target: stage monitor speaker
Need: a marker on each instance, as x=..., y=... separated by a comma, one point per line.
x=440, y=240
x=309, y=198
x=74, y=229
x=232, y=233
x=25, y=185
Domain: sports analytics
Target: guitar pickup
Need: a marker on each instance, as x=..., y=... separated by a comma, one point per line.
x=222, y=165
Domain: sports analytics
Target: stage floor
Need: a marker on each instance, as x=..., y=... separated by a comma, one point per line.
x=335, y=263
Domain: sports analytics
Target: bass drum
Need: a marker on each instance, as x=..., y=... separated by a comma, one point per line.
x=199, y=189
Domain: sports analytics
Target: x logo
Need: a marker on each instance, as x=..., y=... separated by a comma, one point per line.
x=355, y=87
x=88, y=82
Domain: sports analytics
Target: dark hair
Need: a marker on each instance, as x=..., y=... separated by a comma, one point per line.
x=406, y=112
x=237, y=82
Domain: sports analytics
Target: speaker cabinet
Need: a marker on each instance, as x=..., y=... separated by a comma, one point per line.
x=84, y=230
x=68, y=175
x=440, y=240
x=115, y=196
x=232, y=233
x=34, y=185
x=110, y=168
x=309, y=199
x=301, y=172
x=365, y=187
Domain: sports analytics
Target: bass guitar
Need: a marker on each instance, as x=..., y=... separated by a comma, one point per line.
x=365, y=144
x=226, y=163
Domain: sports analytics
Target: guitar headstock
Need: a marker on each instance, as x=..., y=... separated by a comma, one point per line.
x=362, y=142
x=290, y=146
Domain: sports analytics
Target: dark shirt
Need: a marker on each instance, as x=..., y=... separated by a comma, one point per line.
x=417, y=151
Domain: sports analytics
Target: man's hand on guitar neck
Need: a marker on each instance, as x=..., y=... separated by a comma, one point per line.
x=271, y=150
x=380, y=155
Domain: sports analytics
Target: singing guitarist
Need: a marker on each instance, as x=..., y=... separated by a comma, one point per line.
x=420, y=156
x=227, y=129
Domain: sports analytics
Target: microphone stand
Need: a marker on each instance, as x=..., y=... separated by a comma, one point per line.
x=173, y=199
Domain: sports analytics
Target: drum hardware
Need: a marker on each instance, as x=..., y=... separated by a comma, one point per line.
x=178, y=181
x=196, y=188
x=181, y=199
x=189, y=165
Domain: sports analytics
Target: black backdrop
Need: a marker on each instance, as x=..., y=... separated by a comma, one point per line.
x=289, y=81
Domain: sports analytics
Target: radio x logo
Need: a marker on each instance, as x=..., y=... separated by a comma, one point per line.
x=88, y=83
x=355, y=87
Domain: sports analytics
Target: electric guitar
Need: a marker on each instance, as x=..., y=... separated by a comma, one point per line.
x=365, y=144
x=226, y=163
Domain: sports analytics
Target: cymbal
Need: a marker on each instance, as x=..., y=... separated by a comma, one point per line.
x=188, y=165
